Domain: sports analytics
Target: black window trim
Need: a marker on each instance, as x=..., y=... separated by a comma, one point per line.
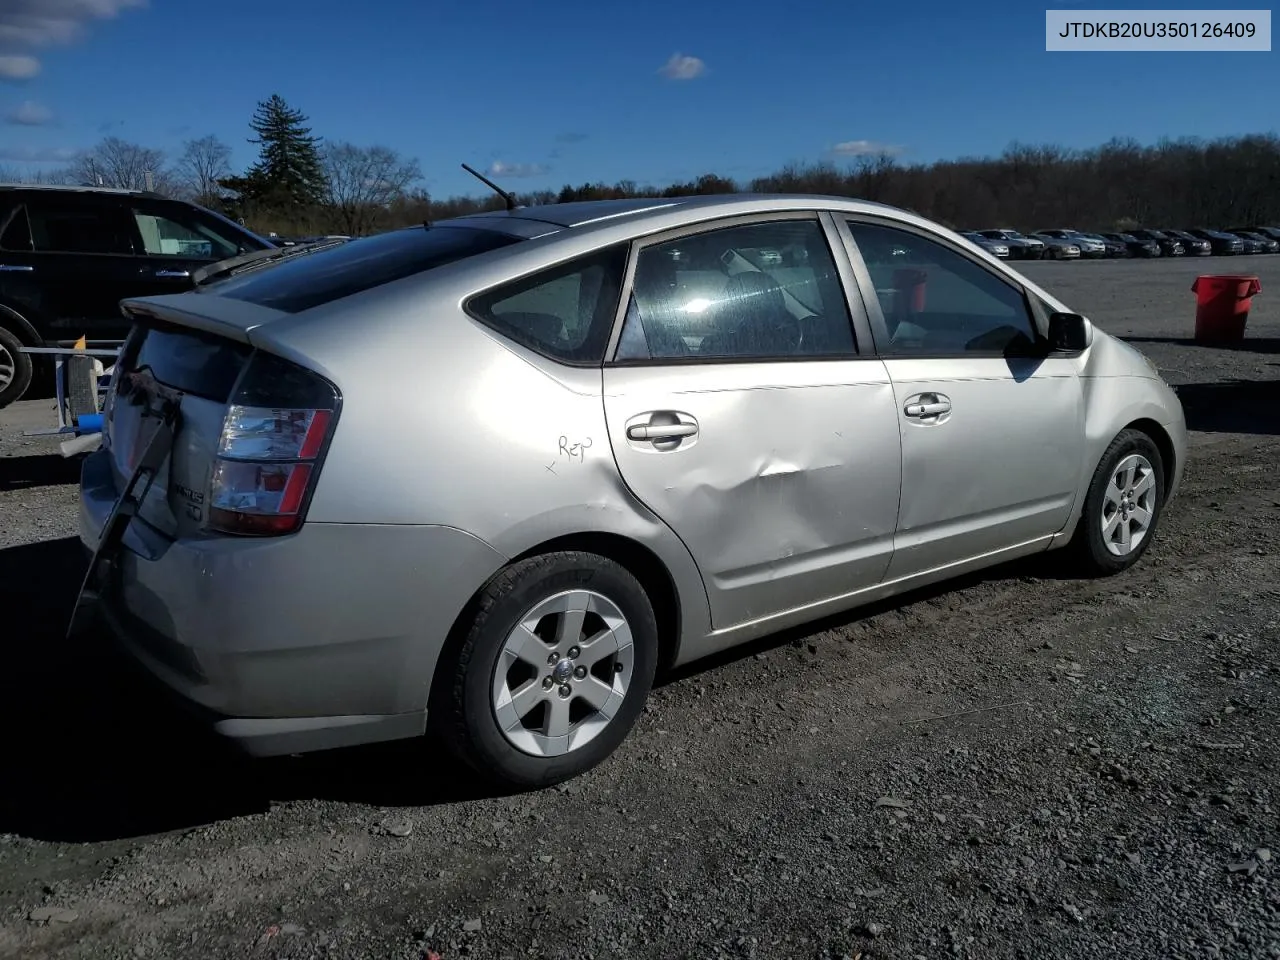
x=852, y=299
x=880, y=329
x=528, y=343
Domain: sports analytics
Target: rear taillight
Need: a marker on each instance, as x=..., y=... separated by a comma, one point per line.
x=276, y=430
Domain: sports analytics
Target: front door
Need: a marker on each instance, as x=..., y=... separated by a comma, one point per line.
x=173, y=241
x=742, y=414
x=992, y=424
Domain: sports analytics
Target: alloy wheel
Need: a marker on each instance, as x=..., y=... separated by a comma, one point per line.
x=1128, y=505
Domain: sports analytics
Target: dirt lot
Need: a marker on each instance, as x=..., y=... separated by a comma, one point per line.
x=1017, y=766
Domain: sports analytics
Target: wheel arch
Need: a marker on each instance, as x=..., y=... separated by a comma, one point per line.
x=20, y=326
x=1164, y=443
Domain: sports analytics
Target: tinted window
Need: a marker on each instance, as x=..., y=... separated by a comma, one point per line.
x=310, y=280
x=15, y=234
x=759, y=291
x=190, y=362
x=937, y=302
x=565, y=312
x=87, y=228
x=180, y=234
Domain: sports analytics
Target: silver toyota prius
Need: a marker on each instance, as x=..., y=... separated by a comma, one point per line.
x=485, y=477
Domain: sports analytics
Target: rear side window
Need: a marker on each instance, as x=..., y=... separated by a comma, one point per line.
x=188, y=361
x=15, y=232
x=311, y=280
x=88, y=228
x=565, y=312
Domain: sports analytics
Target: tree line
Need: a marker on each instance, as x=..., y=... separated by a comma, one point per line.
x=303, y=185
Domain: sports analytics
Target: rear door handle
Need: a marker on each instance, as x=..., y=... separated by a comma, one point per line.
x=661, y=431
x=16, y=268
x=928, y=409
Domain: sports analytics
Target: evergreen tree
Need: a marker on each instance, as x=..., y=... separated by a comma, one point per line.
x=288, y=171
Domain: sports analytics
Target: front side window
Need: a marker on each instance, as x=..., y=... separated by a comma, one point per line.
x=759, y=291
x=174, y=234
x=937, y=302
x=565, y=312
x=73, y=228
x=15, y=232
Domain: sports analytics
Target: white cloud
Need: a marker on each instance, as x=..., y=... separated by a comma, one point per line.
x=682, y=67
x=37, y=154
x=865, y=148
x=32, y=24
x=15, y=67
x=29, y=114
x=500, y=168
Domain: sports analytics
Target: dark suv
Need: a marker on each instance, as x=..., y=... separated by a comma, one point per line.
x=69, y=255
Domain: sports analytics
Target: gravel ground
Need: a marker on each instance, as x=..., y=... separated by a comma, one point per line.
x=1019, y=765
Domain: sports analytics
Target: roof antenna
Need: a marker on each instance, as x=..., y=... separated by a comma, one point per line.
x=508, y=198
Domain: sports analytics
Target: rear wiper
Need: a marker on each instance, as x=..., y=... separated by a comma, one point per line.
x=258, y=258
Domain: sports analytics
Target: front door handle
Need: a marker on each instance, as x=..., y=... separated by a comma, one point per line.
x=173, y=274
x=661, y=431
x=16, y=268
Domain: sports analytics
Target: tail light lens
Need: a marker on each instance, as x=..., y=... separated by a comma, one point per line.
x=275, y=432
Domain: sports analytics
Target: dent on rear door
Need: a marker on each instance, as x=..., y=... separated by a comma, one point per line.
x=787, y=494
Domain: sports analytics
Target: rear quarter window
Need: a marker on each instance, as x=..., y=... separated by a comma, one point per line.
x=312, y=280
x=565, y=312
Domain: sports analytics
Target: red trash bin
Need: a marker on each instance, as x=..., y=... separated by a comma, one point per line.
x=910, y=284
x=1222, y=306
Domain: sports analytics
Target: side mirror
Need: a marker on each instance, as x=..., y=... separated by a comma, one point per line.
x=1068, y=332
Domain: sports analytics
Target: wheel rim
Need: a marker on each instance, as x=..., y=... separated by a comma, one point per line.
x=563, y=673
x=1128, y=506
x=8, y=367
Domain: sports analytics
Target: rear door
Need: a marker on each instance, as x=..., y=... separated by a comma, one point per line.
x=992, y=424
x=82, y=262
x=742, y=413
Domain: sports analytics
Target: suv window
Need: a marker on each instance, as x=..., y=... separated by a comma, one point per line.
x=758, y=291
x=179, y=233
x=937, y=302
x=16, y=233
x=312, y=279
x=565, y=312
x=61, y=227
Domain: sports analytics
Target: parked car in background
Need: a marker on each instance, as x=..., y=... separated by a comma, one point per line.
x=1091, y=249
x=1260, y=242
x=1021, y=247
x=1272, y=233
x=71, y=254
x=1169, y=246
x=1114, y=248
x=585, y=529
x=1055, y=249
x=997, y=248
x=1194, y=246
x=1135, y=246
x=1223, y=244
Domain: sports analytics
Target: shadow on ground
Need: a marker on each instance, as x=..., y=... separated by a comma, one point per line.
x=44, y=470
x=93, y=752
x=1247, y=345
x=1232, y=406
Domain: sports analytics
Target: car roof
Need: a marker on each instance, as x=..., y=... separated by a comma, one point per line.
x=85, y=188
x=582, y=213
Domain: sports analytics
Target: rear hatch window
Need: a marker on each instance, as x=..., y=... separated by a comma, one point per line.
x=305, y=282
x=205, y=369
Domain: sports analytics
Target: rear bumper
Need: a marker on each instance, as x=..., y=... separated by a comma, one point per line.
x=325, y=638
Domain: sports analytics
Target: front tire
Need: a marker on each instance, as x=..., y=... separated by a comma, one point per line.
x=1122, y=506
x=553, y=672
x=15, y=369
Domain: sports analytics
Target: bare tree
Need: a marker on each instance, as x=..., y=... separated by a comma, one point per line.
x=363, y=183
x=203, y=163
x=118, y=163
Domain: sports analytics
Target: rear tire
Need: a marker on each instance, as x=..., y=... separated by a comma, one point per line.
x=15, y=368
x=553, y=672
x=1121, y=508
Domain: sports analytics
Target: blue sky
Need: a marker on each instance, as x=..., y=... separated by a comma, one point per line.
x=571, y=91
